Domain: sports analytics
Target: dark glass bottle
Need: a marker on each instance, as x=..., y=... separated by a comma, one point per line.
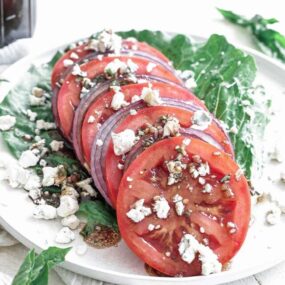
x=17, y=20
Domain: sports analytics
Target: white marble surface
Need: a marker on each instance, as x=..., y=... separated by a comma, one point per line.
x=62, y=20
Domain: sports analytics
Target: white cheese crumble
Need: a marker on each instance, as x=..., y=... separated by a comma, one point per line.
x=76, y=71
x=74, y=55
x=28, y=159
x=171, y=127
x=65, y=235
x=43, y=125
x=7, y=122
x=37, y=101
x=31, y=115
x=56, y=145
x=118, y=66
x=232, y=227
x=151, y=227
x=38, y=92
x=175, y=169
x=133, y=112
x=67, y=62
x=207, y=189
x=190, y=83
x=71, y=222
x=107, y=40
x=273, y=215
x=234, y=130
x=151, y=96
x=179, y=206
x=201, y=120
x=135, y=99
x=86, y=186
x=150, y=66
x=99, y=142
x=123, y=141
x=161, y=207
x=68, y=206
x=45, y=212
x=203, y=169
x=118, y=101
x=91, y=119
x=69, y=191
x=189, y=247
x=139, y=211
x=50, y=175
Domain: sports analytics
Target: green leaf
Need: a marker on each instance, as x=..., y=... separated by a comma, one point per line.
x=234, y=18
x=17, y=101
x=97, y=213
x=34, y=269
x=270, y=41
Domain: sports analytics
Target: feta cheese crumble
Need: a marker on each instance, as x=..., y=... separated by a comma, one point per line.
x=50, y=174
x=207, y=189
x=99, y=142
x=91, y=119
x=45, y=212
x=76, y=71
x=86, y=186
x=189, y=247
x=175, y=169
x=171, y=127
x=65, y=235
x=107, y=40
x=123, y=141
x=68, y=206
x=161, y=207
x=179, y=206
x=43, y=125
x=7, y=122
x=150, y=66
x=118, y=101
x=201, y=120
x=71, y=222
x=67, y=62
x=139, y=211
x=151, y=96
x=56, y=145
x=28, y=159
x=31, y=115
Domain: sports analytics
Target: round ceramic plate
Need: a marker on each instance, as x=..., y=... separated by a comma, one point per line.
x=263, y=248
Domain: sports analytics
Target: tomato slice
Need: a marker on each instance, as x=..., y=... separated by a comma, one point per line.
x=218, y=219
x=143, y=117
x=81, y=52
x=100, y=113
x=68, y=97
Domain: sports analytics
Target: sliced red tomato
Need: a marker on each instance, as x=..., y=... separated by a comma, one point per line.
x=209, y=217
x=150, y=115
x=68, y=97
x=78, y=53
x=100, y=113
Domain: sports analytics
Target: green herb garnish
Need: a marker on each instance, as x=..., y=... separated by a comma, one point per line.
x=34, y=269
x=269, y=40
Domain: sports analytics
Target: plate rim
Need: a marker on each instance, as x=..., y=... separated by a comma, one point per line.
x=127, y=277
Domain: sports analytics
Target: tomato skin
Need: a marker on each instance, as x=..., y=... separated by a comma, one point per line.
x=81, y=51
x=68, y=97
x=89, y=130
x=136, y=235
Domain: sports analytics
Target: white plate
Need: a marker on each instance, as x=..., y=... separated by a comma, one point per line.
x=264, y=246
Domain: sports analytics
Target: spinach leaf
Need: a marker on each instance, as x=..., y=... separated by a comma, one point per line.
x=17, y=102
x=269, y=40
x=34, y=269
x=97, y=213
